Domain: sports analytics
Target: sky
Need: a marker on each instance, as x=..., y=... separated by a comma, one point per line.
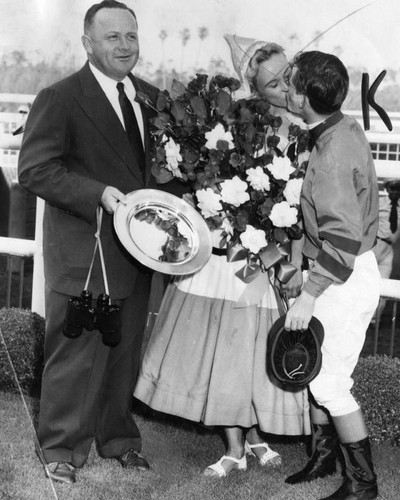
x=369, y=39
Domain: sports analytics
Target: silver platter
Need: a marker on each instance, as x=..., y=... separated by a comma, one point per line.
x=163, y=232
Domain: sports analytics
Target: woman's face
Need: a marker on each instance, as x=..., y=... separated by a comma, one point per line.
x=269, y=81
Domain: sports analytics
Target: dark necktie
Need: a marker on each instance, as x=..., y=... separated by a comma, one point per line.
x=131, y=126
x=393, y=214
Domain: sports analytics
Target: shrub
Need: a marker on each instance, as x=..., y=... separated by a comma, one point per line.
x=23, y=332
x=377, y=389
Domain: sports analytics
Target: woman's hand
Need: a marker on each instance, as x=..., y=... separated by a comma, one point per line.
x=292, y=288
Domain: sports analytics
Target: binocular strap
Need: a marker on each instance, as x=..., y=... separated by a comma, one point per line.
x=99, y=217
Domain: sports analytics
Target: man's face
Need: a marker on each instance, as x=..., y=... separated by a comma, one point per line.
x=112, y=43
x=294, y=100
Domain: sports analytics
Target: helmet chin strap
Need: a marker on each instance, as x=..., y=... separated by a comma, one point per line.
x=294, y=372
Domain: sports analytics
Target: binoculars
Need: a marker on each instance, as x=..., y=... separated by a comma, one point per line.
x=105, y=317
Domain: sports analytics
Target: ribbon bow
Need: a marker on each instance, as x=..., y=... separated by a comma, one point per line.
x=271, y=257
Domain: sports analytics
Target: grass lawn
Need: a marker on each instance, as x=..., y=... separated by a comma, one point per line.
x=178, y=452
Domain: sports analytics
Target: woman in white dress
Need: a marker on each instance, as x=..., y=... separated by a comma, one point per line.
x=205, y=360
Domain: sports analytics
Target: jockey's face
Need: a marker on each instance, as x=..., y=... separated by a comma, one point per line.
x=295, y=101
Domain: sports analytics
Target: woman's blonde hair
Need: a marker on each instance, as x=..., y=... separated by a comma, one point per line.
x=261, y=55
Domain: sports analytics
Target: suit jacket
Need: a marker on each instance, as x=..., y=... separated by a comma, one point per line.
x=74, y=146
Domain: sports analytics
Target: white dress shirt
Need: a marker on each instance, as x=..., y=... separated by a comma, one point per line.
x=109, y=87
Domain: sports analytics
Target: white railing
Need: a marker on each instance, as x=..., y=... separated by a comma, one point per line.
x=376, y=124
x=19, y=247
x=17, y=98
x=16, y=247
x=9, y=143
x=24, y=248
x=389, y=290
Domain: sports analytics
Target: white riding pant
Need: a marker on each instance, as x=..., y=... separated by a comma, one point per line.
x=345, y=312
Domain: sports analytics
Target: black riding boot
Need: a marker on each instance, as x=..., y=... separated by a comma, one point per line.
x=323, y=459
x=360, y=482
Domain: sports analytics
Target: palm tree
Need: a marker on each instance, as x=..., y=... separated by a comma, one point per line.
x=338, y=50
x=203, y=34
x=317, y=38
x=162, y=36
x=294, y=41
x=185, y=36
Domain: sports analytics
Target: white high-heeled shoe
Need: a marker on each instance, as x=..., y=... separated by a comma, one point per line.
x=270, y=458
x=216, y=470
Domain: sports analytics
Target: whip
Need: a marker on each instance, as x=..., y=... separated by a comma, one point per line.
x=35, y=438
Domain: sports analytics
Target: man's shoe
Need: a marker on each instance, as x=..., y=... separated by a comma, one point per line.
x=62, y=472
x=132, y=459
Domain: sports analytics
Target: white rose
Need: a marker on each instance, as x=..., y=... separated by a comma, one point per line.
x=283, y=215
x=258, y=179
x=173, y=156
x=218, y=134
x=281, y=168
x=233, y=191
x=253, y=239
x=292, y=191
x=209, y=202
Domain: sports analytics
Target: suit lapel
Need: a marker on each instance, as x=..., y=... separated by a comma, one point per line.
x=98, y=108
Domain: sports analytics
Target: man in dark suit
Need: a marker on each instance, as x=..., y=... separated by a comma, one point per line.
x=77, y=154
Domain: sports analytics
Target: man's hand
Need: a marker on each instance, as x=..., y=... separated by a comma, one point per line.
x=299, y=315
x=110, y=198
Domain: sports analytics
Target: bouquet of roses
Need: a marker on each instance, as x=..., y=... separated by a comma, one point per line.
x=231, y=152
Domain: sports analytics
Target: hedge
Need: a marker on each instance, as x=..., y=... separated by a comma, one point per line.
x=23, y=333
x=377, y=390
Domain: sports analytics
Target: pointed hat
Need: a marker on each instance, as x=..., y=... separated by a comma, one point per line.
x=242, y=50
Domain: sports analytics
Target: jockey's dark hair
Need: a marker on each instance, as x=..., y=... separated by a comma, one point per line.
x=105, y=4
x=323, y=78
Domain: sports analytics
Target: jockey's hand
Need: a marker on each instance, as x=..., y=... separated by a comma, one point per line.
x=292, y=288
x=110, y=198
x=299, y=315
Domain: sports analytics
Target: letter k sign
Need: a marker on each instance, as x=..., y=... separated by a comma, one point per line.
x=368, y=99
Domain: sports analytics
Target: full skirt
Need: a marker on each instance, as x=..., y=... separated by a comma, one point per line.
x=206, y=357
